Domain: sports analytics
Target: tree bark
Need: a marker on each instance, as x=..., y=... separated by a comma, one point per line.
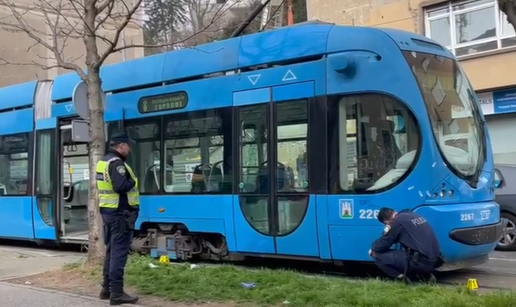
x=96, y=246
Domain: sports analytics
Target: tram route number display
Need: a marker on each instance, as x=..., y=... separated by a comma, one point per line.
x=165, y=102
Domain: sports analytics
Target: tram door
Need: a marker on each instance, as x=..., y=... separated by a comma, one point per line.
x=45, y=215
x=73, y=170
x=274, y=213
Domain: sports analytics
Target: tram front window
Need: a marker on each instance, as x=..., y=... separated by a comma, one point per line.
x=453, y=111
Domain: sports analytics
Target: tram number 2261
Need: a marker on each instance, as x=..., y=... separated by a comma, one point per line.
x=368, y=214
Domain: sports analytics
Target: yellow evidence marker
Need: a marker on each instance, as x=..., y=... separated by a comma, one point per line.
x=472, y=284
x=164, y=259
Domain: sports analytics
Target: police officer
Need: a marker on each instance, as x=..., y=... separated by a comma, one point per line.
x=119, y=201
x=421, y=254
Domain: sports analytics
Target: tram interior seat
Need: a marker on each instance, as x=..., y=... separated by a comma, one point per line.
x=381, y=152
x=262, y=182
x=402, y=166
x=458, y=157
x=208, y=178
x=391, y=150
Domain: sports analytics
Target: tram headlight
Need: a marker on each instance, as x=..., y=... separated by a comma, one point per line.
x=443, y=193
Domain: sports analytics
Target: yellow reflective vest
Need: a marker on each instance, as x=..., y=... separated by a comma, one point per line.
x=108, y=198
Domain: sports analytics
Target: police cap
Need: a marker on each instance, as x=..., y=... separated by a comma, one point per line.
x=120, y=138
x=385, y=214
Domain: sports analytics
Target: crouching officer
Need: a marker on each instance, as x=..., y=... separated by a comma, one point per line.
x=421, y=251
x=119, y=201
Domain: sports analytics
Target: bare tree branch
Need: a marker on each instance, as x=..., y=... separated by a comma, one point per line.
x=24, y=27
x=221, y=11
x=67, y=20
x=112, y=44
x=103, y=5
x=508, y=7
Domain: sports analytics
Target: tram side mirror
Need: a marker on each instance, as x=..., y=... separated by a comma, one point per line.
x=68, y=193
x=498, y=184
x=80, y=131
x=499, y=181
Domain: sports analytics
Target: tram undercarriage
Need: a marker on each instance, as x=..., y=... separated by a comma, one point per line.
x=174, y=241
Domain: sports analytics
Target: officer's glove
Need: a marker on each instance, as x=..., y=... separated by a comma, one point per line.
x=371, y=253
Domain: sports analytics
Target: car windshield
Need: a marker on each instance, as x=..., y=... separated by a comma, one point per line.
x=453, y=111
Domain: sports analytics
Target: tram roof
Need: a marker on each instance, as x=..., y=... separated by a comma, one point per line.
x=281, y=46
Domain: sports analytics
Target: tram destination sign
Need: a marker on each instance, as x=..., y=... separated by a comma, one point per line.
x=165, y=102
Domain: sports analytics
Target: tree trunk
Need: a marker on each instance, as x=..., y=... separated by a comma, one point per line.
x=96, y=247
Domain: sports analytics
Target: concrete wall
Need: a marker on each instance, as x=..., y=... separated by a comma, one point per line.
x=33, y=59
x=486, y=71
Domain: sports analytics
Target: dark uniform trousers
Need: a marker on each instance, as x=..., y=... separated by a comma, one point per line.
x=117, y=236
x=395, y=262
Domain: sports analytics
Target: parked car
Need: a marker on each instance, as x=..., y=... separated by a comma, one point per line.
x=505, y=195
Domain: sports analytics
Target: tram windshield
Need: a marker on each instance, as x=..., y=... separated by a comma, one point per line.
x=453, y=111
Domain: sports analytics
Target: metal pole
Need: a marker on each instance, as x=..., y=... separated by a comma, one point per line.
x=290, y=13
x=249, y=19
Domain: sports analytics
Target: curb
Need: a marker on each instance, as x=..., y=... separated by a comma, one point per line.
x=84, y=297
x=6, y=279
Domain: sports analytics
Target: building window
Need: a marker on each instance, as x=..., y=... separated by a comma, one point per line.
x=469, y=27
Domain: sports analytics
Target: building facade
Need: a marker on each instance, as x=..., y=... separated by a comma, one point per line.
x=475, y=31
x=22, y=60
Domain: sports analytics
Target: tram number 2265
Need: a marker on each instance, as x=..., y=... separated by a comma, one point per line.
x=368, y=214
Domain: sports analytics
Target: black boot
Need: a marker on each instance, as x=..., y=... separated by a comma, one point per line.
x=104, y=294
x=430, y=278
x=122, y=298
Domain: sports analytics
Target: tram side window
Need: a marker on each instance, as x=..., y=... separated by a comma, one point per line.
x=198, y=152
x=374, y=141
x=291, y=147
x=145, y=154
x=14, y=153
x=254, y=149
x=292, y=134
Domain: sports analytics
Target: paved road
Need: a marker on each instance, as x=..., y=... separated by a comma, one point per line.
x=20, y=261
x=499, y=272
x=18, y=296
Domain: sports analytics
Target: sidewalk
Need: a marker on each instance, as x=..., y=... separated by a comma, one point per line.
x=18, y=296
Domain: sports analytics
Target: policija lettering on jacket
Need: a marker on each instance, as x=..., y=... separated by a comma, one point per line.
x=421, y=253
x=119, y=201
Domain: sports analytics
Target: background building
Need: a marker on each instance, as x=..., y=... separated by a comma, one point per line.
x=19, y=48
x=475, y=31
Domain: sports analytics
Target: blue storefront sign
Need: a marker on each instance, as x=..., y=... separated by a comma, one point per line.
x=504, y=101
x=498, y=102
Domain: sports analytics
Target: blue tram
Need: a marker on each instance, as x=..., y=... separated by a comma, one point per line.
x=278, y=144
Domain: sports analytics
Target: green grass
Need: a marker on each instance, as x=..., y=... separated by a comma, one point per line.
x=288, y=288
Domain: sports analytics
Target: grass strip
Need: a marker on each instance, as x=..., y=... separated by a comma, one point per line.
x=223, y=283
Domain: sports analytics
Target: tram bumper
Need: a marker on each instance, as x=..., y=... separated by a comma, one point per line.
x=478, y=235
x=467, y=232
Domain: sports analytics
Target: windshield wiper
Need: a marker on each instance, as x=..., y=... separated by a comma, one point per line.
x=482, y=157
